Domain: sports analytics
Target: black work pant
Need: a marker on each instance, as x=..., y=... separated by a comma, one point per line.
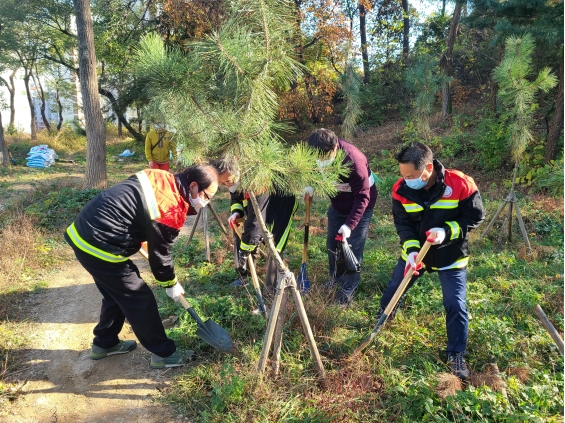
x=125, y=295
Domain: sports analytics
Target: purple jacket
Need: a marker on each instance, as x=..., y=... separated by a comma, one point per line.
x=362, y=196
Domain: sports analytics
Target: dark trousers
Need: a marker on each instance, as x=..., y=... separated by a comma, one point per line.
x=454, y=289
x=125, y=295
x=349, y=282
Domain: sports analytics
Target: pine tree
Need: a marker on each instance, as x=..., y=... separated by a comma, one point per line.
x=517, y=93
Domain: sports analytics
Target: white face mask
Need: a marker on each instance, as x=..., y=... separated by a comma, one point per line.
x=197, y=203
x=325, y=163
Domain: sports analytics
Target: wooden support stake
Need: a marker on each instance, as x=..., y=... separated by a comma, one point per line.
x=195, y=225
x=224, y=230
x=549, y=327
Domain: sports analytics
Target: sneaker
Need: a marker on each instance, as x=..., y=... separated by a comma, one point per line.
x=176, y=359
x=239, y=282
x=457, y=364
x=122, y=347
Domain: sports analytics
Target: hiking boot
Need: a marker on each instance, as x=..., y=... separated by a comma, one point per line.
x=176, y=359
x=457, y=364
x=122, y=347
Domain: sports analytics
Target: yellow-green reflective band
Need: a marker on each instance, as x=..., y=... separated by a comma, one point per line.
x=459, y=264
x=244, y=203
x=455, y=229
x=409, y=244
x=167, y=284
x=412, y=207
x=404, y=256
x=246, y=247
x=90, y=249
x=236, y=207
x=445, y=204
x=149, y=195
x=284, y=237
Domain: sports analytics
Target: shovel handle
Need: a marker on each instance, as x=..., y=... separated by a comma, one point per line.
x=308, y=203
x=394, y=300
x=190, y=310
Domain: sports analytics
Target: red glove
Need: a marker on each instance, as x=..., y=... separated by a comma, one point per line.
x=411, y=263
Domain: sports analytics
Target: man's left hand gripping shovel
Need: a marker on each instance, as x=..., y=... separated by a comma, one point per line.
x=392, y=303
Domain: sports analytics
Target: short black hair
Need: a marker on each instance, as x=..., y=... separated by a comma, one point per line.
x=416, y=153
x=323, y=139
x=223, y=165
x=203, y=175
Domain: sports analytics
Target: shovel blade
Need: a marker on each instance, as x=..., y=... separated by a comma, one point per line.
x=216, y=336
x=303, y=281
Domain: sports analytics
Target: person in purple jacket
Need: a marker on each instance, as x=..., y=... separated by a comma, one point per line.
x=350, y=210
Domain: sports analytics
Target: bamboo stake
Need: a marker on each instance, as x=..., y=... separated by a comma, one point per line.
x=224, y=230
x=195, y=225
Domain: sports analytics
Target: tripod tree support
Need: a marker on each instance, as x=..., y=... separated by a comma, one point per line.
x=512, y=203
x=285, y=280
x=549, y=327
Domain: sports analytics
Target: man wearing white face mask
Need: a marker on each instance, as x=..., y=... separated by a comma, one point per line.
x=350, y=210
x=151, y=206
x=428, y=200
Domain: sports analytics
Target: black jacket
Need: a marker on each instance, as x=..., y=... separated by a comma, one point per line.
x=454, y=204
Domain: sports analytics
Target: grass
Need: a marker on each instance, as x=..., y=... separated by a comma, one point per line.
x=394, y=380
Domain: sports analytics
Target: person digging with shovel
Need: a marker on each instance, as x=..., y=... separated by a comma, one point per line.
x=151, y=206
x=442, y=206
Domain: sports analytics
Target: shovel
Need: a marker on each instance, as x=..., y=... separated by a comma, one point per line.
x=210, y=332
x=303, y=281
x=394, y=300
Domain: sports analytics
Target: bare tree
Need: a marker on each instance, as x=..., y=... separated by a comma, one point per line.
x=406, y=30
x=363, y=31
x=12, y=90
x=95, y=173
x=446, y=61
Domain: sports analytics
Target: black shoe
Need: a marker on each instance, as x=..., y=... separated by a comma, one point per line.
x=239, y=282
x=457, y=364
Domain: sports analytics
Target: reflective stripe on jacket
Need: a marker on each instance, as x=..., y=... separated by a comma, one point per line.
x=455, y=205
x=146, y=207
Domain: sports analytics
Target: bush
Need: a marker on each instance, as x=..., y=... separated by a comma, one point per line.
x=490, y=142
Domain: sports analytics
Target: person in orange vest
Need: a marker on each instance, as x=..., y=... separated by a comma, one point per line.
x=159, y=147
x=150, y=206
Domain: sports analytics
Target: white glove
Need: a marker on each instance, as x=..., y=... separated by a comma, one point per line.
x=411, y=263
x=439, y=236
x=308, y=191
x=345, y=232
x=232, y=219
x=175, y=291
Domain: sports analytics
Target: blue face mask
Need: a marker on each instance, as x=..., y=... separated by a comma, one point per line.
x=416, y=183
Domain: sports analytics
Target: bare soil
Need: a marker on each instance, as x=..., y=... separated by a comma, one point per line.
x=60, y=383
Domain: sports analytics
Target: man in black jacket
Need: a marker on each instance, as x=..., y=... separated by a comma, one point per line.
x=151, y=207
x=427, y=200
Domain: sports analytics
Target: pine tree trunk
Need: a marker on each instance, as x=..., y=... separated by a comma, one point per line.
x=33, y=128
x=406, y=31
x=364, y=53
x=446, y=60
x=493, y=84
x=3, y=146
x=12, y=90
x=556, y=124
x=95, y=173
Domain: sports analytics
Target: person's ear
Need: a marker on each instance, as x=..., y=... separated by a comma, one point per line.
x=192, y=185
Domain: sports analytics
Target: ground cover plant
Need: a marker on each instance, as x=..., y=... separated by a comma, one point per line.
x=394, y=380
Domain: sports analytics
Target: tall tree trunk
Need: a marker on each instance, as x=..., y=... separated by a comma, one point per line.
x=120, y=128
x=556, y=123
x=363, y=31
x=446, y=61
x=3, y=146
x=12, y=91
x=406, y=31
x=33, y=128
x=42, y=98
x=59, y=105
x=95, y=173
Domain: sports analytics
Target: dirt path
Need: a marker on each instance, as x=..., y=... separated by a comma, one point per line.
x=63, y=383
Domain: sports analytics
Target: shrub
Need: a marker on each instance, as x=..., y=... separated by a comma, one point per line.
x=490, y=142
